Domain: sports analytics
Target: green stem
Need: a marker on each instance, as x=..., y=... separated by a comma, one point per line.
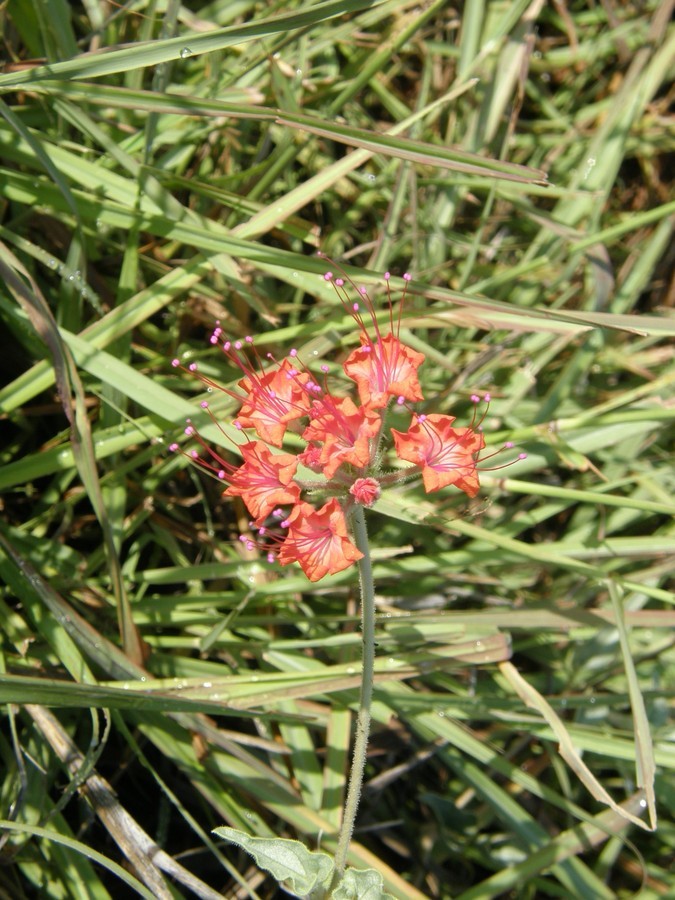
x=363, y=719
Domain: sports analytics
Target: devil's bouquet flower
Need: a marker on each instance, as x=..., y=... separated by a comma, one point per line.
x=347, y=440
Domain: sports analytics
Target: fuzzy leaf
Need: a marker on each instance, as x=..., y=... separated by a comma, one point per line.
x=361, y=884
x=297, y=869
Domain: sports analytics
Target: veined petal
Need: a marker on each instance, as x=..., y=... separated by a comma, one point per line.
x=318, y=540
x=383, y=370
x=265, y=480
x=273, y=400
x=344, y=430
x=446, y=455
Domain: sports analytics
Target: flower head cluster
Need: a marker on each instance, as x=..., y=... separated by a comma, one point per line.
x=346, y=441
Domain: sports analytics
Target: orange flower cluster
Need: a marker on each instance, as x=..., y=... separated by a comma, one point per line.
x=345, y=443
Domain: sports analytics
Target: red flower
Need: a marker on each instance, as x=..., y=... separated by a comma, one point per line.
x=383, y=370
x=318, y=540
x=382, y=367
x=344, y=429
x=445, y=454
x=273, y=399
x=264, y=481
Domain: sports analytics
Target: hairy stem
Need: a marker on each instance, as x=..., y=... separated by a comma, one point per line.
x=363, y=719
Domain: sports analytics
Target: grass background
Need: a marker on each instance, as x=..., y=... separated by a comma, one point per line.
x=163, y=165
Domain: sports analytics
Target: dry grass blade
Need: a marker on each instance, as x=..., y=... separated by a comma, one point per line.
x=532, y=698
x=644, y=762
x=148, y=860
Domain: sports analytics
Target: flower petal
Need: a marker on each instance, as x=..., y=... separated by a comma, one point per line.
x=446, y=455
x=383, y=370
x=318, y=540
x=265, y=480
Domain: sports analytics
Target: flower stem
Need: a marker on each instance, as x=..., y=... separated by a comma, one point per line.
x=363, y=718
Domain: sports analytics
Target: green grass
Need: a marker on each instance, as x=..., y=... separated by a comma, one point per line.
x=166, y=165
